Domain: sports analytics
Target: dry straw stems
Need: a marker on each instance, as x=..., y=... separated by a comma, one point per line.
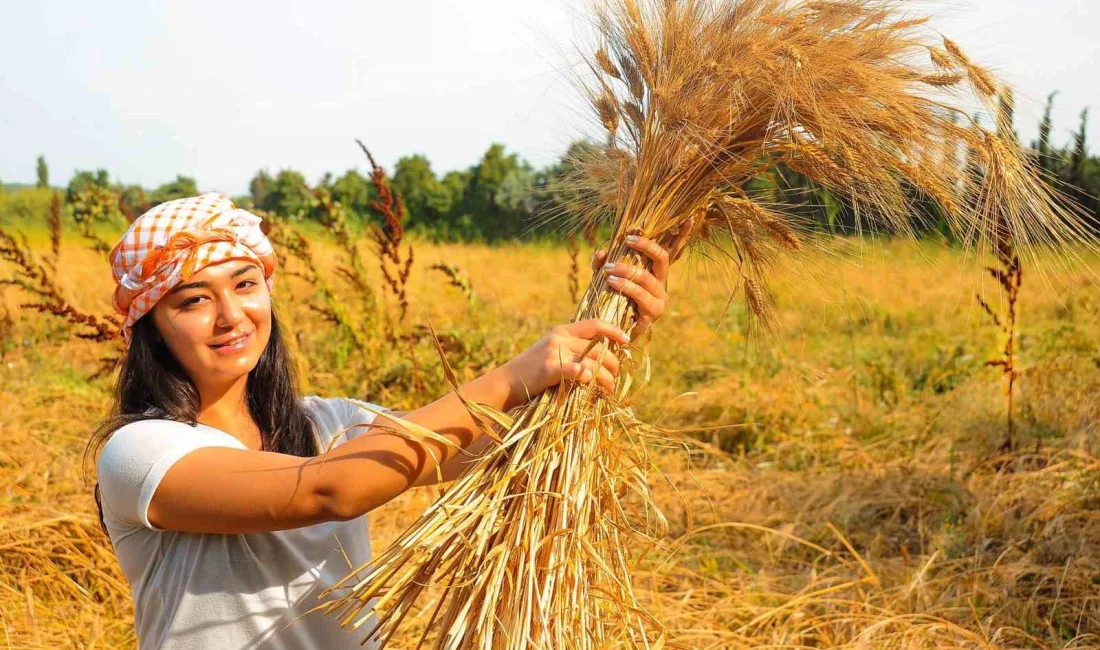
x=394, y=264
x=1009, y=275
x=39, y=278
x=535, y=546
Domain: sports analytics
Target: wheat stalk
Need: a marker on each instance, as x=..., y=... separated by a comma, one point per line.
x=534, y=546
x=456, y=278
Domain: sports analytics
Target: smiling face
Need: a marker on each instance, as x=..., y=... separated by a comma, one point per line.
x=219, y=304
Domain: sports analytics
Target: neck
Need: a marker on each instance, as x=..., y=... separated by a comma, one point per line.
x=224, y=407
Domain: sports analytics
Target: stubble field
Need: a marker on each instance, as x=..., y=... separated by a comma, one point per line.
x=864, y=500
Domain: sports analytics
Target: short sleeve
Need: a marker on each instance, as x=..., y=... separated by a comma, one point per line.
x=137, y=456
x=341, y=418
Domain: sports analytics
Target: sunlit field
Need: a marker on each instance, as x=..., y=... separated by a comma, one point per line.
x=851, y=488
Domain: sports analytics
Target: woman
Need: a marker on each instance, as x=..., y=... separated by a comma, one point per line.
x=225, y=518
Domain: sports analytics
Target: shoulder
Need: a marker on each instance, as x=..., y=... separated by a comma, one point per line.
x=337, y=415
x=156, y=432
x=152, y=432
x=344, y=409
x=137, y=455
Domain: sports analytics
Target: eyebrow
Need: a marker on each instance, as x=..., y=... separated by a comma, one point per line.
x=203, y=284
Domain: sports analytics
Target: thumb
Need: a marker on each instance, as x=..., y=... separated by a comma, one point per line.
x=598, y=258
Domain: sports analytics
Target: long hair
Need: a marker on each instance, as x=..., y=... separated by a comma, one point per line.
x=153, y=385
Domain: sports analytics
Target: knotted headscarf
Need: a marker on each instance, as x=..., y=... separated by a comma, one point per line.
x=164, y=246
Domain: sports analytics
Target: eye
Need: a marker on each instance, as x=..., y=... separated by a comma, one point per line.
x=191, y=301
x=247, y=282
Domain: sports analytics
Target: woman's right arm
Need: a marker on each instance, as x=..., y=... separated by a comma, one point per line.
x=226, y=490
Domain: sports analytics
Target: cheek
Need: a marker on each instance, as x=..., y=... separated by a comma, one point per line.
x=256, y=301
x=187, y=328
x=258, y=308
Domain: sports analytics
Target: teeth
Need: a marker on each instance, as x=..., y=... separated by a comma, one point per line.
x=235, y=343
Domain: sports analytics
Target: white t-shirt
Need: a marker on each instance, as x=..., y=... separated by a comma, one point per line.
x=211, y=591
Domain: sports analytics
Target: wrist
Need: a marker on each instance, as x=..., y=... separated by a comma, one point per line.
x=517, y=392
x=501, y=388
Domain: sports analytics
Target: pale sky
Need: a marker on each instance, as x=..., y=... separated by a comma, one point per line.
x=217, y=90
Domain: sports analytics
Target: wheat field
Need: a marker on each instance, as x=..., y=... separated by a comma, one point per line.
x=861, y=500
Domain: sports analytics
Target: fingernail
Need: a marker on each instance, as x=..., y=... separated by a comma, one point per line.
x=608, y=266
x=614, y=279
x=632, y=238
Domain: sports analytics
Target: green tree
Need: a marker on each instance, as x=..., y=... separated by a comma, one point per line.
x=354, y=192
x=43, y=172
x=496, y=221
x=83, y=181
x=133, y=201
x=260, y=189
x=182, y=187
x=1075, y=175
x=457, y=223
x=454, y=186
x=289, y=195
x=427, y=200
x=1081, y=171
x=1042, y=146
x=515, y=196
x=556, y=192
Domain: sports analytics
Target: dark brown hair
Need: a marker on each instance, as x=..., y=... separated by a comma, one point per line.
x=153, y=385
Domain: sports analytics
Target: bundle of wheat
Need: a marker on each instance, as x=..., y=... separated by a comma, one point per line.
x=531, y=548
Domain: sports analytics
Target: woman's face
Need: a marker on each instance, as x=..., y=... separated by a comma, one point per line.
x=218, y=304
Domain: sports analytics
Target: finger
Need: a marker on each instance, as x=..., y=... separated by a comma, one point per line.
x=593, y=327
x=580, y=371
x=648, y=304
x=637, y=275
x=602, y=375
x=653, y=251
x=599, y=353
x=598, y=258
x=576, y=371
x=606, y=379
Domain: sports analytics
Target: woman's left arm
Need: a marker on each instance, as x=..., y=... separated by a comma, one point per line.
x=457, y=465
x=453, y=467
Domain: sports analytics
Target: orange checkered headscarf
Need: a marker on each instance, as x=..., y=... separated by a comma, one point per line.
x=164, y=246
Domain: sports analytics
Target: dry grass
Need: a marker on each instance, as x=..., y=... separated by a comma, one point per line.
x=855, y=515
x=889, y=434
x=394, y=261
x=533, y=547
x=1009, y=275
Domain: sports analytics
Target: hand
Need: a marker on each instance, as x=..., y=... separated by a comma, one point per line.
x=557, y=357
x=648, y=289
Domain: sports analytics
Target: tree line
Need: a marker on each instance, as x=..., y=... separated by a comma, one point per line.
x=502, y=196
x=1069, y=169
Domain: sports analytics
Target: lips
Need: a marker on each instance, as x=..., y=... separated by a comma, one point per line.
x=235, y=341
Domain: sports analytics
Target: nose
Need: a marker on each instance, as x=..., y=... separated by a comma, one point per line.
x=230, y=310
